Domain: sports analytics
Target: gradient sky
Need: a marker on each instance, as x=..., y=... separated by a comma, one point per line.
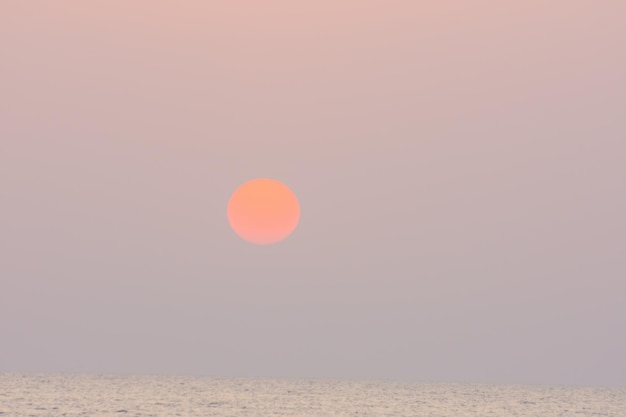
x=460, y=167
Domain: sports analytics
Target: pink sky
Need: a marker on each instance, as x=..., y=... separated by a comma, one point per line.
x=459, y=165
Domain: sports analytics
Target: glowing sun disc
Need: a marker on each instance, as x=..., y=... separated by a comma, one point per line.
x=263, y=211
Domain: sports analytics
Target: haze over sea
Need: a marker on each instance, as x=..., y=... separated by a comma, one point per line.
x=116, y=395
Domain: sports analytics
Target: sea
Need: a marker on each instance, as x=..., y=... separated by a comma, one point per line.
x=125, y=395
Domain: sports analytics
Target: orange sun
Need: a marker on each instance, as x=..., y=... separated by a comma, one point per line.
x=263, y=211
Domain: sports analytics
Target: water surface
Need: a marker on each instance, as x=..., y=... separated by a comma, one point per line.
x=102, y=395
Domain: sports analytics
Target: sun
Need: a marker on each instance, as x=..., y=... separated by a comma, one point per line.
x=263, y=211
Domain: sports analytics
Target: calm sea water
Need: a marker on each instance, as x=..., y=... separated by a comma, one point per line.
x=97, y=395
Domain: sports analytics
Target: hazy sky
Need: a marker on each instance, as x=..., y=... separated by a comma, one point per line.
x=460, y=167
